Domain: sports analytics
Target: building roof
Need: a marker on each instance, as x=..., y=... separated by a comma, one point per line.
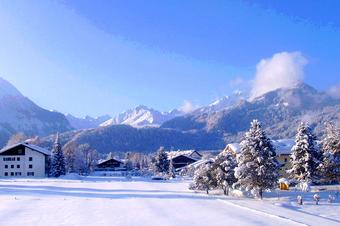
x=187, y=153
x=30, y=146
x=106, y=160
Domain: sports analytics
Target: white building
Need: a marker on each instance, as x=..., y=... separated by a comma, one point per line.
x=24, y=160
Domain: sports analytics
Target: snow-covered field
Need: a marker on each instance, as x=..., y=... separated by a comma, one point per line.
x=118, y=201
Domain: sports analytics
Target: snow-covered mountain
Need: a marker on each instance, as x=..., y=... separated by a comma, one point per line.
x=86, y=122
x=18, y=114
x=142, y=116
x=277, y=109
x=222, y=103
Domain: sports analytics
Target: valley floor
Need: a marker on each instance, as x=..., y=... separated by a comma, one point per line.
x=118, y=201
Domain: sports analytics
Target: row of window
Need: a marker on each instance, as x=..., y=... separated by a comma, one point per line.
x=18, y=166
x=29, y=174
x=9, y=159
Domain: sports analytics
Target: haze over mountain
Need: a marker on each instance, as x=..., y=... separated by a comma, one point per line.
x=19, y=114
x=87, y=121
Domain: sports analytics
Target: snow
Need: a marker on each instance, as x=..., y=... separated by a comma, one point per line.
x=139, y=201
x=30, y=146
x=142, y=116
x=282, y=146
x=187, y=153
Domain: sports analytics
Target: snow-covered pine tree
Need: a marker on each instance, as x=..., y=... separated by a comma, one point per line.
x=57, y=167
x=110, y=156
x=330, y=166
x=161, y=161
x=225, y=164
x=305, y=156
x=172, y=171
x=257, y=168
x=204, y=178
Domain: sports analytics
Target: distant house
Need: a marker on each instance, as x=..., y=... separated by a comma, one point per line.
x=110, y=165
x=24, y=160
x=181, y=159
x=283, y=149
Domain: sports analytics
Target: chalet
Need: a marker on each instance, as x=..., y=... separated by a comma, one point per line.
x=181, y=159
x=282, y=147
x=24, y=160
x=110, y=165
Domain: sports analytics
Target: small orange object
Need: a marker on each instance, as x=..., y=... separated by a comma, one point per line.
x=284, y=186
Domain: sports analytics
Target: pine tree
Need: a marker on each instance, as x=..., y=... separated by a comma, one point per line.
x=57, y=167
x=305, y=156
x=225, y=164
x=204, y=178
x=161, y=163
x=330, y=166
x=172, y=170
x=257, y=165
x=110, y=156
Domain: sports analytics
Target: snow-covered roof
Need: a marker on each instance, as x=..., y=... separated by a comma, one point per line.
x=201, y=162
x=283, y=146
x=187, y=153
x=235, y=147
x=30, y=146
x=106, y=160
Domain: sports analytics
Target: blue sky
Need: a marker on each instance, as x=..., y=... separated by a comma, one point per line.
x=86, y=58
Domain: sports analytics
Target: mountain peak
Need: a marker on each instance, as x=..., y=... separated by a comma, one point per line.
x=7, y=89
x=142, y=116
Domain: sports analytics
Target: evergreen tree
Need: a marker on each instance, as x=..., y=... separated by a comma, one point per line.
x=224, y=166
x=162, y=162
x=305, y=156
x=257, y=165
x=172, y=170
x=204, y=178
x=110, y=156
x=330, y=166
x=57, y=167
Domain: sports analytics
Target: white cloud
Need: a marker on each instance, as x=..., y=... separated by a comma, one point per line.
x=188, y=107
x=281, y=70
x=334, y=91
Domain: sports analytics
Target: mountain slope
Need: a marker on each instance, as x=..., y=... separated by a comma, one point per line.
x=142, y=116
x=18, y=114
x=271, y=108
x=86, y=122
x=280, y=112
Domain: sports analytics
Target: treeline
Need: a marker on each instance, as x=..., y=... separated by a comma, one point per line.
x=256, y=169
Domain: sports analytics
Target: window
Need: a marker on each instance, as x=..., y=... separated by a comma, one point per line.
x=18, y=158
x=12, y=166
x=18, y=166
x=30, y=173
x=17, y=173
x=12, y=173
x=30, y=166
x=13, y=158
x=30, y=159
x=6, y=166
x=6, y=174
x=286, y=160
